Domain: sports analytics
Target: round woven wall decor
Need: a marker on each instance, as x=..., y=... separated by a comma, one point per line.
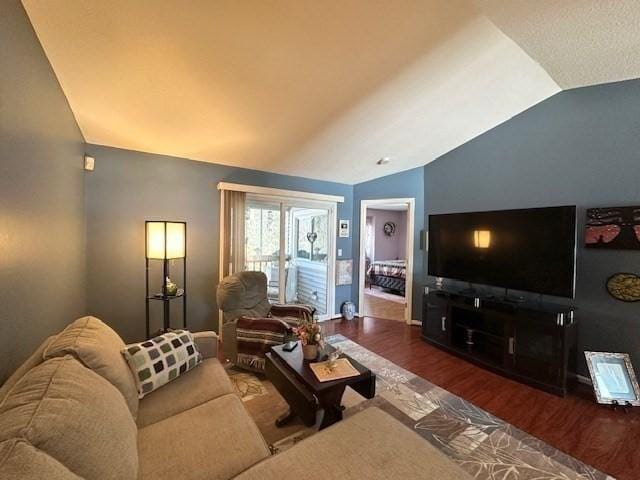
x=624, y=287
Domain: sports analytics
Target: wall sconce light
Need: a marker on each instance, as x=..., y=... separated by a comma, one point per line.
x=482, y=238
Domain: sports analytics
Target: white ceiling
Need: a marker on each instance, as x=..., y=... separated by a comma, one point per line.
x=578, y=42
x=301, y=87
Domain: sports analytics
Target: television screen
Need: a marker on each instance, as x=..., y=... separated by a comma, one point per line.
x=531, y=250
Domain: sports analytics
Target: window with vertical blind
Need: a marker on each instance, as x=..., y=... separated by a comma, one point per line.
x=290, y=239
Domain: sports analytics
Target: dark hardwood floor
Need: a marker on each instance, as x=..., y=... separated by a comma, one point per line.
x=575, y=424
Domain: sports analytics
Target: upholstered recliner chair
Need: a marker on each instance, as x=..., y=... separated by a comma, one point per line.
x=244, y=294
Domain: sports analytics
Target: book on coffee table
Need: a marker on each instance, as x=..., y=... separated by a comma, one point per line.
x=341, y=368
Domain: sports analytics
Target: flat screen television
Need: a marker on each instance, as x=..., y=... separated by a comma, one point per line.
x=530, y=250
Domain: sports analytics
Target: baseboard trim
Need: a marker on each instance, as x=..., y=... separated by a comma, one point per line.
x=338, y=316
x=357, y=315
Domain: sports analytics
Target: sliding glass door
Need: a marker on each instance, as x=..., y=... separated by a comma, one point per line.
x=307, y=255
x=293, y=243
x=262, y=242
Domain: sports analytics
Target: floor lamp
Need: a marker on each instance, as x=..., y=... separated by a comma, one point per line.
x=166, y=241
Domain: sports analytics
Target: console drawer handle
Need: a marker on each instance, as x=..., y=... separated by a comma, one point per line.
x=444, y=326
x=512, y=346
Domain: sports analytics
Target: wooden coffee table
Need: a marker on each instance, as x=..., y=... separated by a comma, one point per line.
x=307, y=397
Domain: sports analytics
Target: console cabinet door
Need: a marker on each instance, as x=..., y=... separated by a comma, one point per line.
x=537, y=348
x=435, y=323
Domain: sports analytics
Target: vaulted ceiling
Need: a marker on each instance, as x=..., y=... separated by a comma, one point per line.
x=579, y=42
x=322, y=89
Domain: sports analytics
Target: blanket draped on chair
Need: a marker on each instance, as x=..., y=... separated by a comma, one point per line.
x=255, y=337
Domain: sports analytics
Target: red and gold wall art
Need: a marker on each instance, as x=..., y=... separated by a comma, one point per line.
x=613, y=228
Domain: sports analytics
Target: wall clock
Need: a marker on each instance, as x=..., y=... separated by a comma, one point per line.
x=389, y=229
x=624, y=287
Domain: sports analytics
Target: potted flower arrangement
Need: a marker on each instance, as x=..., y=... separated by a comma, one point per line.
x=310, y=335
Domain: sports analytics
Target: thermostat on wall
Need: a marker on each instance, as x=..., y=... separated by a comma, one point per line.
x=343, y=228
x=89, y=163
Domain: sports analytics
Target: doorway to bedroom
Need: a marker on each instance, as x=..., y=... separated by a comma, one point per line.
x=386, y=260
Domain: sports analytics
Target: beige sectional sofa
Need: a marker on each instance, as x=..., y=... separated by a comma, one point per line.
x=71, y=411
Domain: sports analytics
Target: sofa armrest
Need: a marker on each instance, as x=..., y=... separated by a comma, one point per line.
x=370, y=444
x=207, y=343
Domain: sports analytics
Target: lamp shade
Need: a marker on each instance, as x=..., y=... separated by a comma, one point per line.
x=482, y=238
x=166, y=240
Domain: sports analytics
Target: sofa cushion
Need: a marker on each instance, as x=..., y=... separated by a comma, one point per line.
x=98, y=347
x=371, y=445
x=75, y=416
x=34, y=360
x=159, y=360
x=19, y=460
x=216, y=440
x=194, y=388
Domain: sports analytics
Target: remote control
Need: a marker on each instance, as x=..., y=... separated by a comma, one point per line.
x=290, y=346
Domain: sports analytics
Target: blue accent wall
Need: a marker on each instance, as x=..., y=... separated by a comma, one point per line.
x=129, y=187
x=580, y=147
x=42, y=256
x=407, y=184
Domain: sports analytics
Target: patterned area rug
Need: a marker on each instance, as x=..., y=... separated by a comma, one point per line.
x=265, y=405
x=247, y=384
x=483, y=445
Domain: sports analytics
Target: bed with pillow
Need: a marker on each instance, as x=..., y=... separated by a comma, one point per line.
x=389, y=274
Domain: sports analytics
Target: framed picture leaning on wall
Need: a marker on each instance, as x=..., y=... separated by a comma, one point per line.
x=614, y=381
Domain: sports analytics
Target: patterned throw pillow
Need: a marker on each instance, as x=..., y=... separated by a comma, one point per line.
x=161, y=359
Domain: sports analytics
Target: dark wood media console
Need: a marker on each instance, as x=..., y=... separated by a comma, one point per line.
x=534, y=343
